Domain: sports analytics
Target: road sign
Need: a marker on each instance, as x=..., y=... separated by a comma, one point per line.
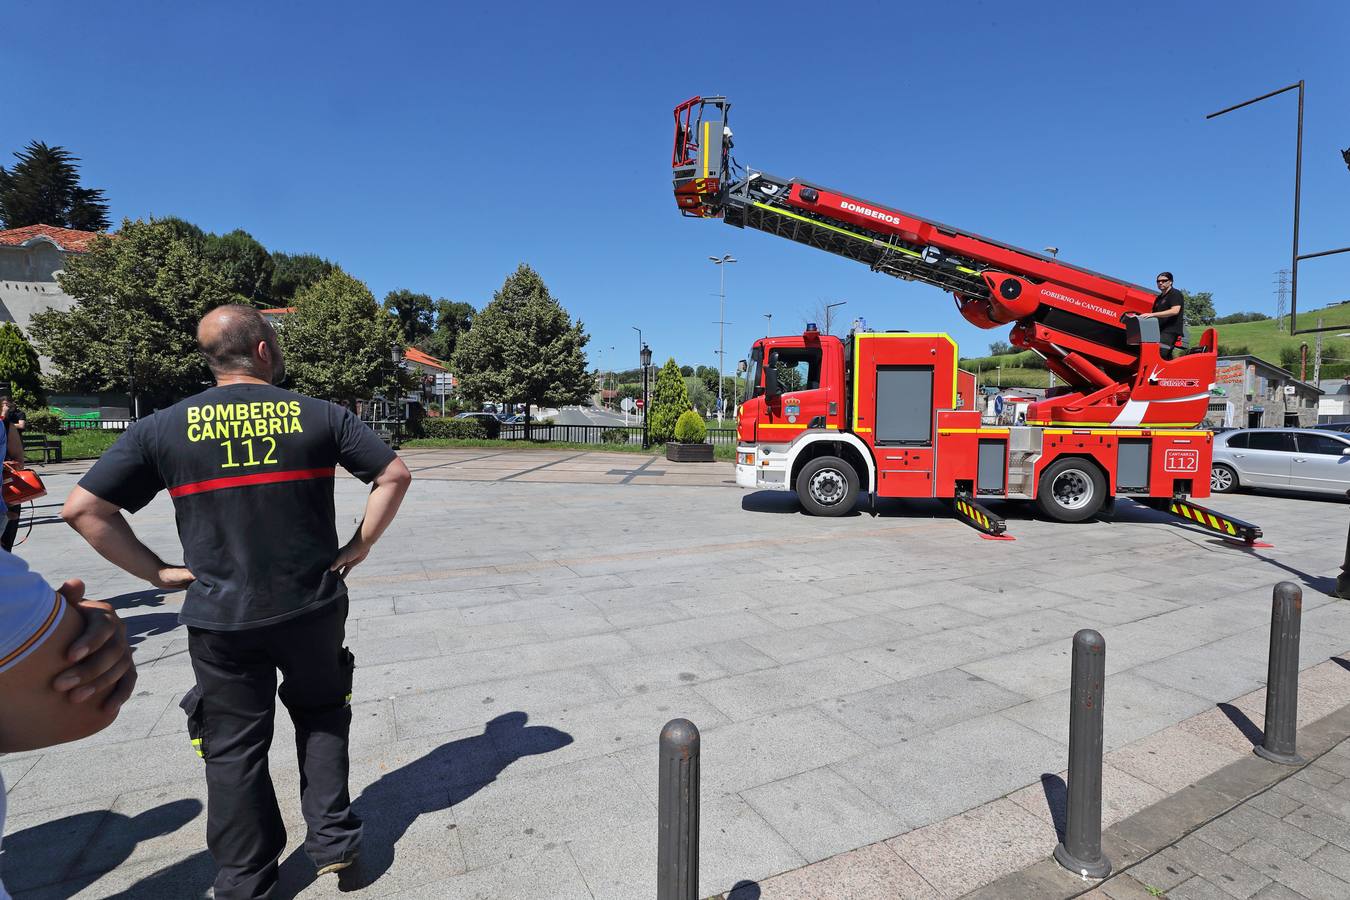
x=638, y=403
x=998, y=406
x=627, y=405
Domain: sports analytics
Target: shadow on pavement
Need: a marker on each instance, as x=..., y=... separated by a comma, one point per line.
x=1243, y=724
x=1056, y=800
x=443, y=778
x=149, y=625
x=1323, y=584
x=744, y=890
x=50, y=849
x=783, y=502
x=147, y=597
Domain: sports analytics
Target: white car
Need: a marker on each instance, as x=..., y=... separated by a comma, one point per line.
x=1293, y=459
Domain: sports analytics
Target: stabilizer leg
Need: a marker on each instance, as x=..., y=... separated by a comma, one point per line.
x=1244, y=534
x=990, y=526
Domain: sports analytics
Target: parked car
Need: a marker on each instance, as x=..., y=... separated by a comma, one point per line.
x=1298, y=459
x=1343, y=427
x=492, y=425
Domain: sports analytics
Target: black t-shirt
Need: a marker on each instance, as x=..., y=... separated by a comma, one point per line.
x=15, y=416
x=1173, y=327
x=250, y=469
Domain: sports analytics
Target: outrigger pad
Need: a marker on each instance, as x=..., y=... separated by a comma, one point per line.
x=990, y=526
x=1227, y=526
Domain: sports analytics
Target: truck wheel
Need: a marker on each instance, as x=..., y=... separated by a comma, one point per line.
x=1222, y=479
x=1071, y=490
x=827, y=486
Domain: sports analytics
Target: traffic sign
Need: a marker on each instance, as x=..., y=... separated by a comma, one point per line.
x=627, y=404
x=998, y=406
x=638, y=403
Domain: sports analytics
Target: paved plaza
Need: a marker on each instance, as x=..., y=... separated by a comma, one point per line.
x=874, y=691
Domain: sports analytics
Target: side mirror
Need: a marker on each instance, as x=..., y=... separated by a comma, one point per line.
x=741, y=367
x=1345, y=452
x=771, y=388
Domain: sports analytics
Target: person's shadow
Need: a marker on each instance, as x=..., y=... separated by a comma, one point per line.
x=443, y=778
x=44, y=854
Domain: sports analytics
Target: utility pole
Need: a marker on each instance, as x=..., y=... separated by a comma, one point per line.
x=721, y=263
x=768, y=323
x=1317, y=355
x=1281, y=297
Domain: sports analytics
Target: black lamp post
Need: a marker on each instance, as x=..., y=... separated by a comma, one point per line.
x=646, y=356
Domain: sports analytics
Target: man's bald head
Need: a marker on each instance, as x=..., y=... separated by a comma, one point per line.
x=237, y=340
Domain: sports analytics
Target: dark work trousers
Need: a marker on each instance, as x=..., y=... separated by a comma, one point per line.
x=11, y=528
x=232, y=717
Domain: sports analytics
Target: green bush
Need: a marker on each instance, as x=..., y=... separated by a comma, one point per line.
x=44, y=421
x=454, y=429
x=614, y=435
x=690, y=428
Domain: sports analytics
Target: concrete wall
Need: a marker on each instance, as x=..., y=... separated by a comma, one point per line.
x=28, y=284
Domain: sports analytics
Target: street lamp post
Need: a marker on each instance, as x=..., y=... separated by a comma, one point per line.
x=1295, y=256
x=721, y=263
x=768, y=323
x=645, y=355
x=828, y=308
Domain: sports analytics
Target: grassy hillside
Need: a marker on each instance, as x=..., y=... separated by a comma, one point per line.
x=1261, y=339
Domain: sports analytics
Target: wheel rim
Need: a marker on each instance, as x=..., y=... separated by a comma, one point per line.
x=1072, y=489
x=1220, y=479
x=828, y=487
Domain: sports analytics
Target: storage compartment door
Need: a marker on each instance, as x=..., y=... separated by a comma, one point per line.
x=904, y=406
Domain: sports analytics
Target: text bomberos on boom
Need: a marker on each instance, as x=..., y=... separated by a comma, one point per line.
x=870, y=213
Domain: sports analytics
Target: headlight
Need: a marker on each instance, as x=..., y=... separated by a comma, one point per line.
x=745, y=459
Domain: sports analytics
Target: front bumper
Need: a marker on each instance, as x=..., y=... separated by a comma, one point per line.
x=762, y=468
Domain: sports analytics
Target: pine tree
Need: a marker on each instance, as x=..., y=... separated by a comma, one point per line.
x=523, y=347
x=43, y=188
x=669, y=400
x=20, y=376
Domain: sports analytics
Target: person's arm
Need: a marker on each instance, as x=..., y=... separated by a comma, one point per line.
x=381, y=507
x=102, y=524
x=100, y=657
x=13, y=444
x=35, y=714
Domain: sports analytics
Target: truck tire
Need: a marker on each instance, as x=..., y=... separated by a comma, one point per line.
x=1071, y=490
x=1222, y=479
x=827, y=486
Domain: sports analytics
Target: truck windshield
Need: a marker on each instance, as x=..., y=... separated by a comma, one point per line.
x=754, y=382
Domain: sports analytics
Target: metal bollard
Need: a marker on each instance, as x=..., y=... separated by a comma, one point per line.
x=677, y=838
x=1081, y=850
x=1286, y=616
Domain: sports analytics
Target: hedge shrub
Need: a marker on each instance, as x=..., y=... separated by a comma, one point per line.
x=44, y=421
x=462, y=429
x=614, y=435
x=690, y=428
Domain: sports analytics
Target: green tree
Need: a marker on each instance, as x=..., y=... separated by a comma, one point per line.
x=43, y=188
x=414, y=312
x=700, y=397
x=1199, y=308
x=523, y=347
x=669, y=400
x=1000, y=348
x=1290, y=357
x=708, y=375
x=292, y=273
x=138, y=298
x=244, y=263
x=686, y=371
x=20, y=376
x=339, y=343
x=453, y=319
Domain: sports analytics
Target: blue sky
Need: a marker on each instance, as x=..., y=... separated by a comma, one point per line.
x=436, y=146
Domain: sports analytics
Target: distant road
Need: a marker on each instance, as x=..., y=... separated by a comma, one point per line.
x=590, y=415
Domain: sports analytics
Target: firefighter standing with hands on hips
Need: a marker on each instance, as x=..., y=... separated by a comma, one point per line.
x=250, y=468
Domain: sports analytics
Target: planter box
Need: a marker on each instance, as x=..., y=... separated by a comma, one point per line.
x=689, y=452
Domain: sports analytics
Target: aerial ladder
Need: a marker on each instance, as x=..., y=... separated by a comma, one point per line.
x=1083, y=324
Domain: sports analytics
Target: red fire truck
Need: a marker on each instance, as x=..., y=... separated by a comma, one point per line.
x=890, y=414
